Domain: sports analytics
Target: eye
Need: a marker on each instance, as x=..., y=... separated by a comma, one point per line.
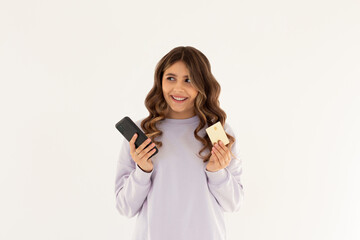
x=169, y=78
x=188, y=80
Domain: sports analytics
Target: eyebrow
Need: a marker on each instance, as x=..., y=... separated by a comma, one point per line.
x=172, y=74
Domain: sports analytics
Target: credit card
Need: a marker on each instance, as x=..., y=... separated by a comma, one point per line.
x=216, y=132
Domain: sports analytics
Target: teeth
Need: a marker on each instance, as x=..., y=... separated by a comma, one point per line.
x=179, y=99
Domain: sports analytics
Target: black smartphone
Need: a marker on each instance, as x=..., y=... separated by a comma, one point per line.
x=128, y=128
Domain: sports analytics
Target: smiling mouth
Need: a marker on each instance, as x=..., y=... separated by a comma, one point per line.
x=178, y=99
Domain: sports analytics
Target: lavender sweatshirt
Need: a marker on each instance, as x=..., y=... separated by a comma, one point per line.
x=179, y=199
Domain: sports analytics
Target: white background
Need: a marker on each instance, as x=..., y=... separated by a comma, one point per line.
x=289, y=72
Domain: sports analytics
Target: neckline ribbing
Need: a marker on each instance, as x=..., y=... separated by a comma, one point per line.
x=194, y=119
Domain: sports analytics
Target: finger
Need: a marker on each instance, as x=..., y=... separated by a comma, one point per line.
x=218, y=156
x=220, y=149
x=222, y=145
x=212, y=157
x=226, y=152
x=143, y=145
x=132, y=143
x=151, y=152
x=146, y=150
x=221, y=156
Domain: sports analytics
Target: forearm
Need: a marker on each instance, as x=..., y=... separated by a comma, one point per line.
x=225, y=186
x=131, y=191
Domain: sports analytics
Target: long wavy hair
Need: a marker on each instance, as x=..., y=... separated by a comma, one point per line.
x=207, y=106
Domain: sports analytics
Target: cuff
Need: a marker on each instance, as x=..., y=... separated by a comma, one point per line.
x=218, y=177
x=142, y=177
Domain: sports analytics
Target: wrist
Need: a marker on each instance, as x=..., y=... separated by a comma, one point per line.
x=147, y=171
x=212, y=170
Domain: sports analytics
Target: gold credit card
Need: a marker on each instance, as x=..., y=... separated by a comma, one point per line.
x=216, y=132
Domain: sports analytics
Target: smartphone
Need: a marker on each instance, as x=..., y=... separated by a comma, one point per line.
x=128, y=128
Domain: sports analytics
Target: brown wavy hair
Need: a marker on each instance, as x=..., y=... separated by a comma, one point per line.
x=207, y=105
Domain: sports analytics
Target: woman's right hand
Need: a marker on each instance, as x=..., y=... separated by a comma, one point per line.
x=141, y=154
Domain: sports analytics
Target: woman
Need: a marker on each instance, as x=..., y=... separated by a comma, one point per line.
x=183, y=191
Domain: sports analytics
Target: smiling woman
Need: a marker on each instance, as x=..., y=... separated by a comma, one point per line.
x=180, y=193
x=179, y=92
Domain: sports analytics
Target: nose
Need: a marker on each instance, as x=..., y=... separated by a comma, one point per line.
x=179, y=87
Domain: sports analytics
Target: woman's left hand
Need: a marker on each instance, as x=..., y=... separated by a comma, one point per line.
x=220, y=157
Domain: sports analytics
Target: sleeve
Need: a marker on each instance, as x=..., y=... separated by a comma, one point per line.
x=132, y=184
x=225, y=184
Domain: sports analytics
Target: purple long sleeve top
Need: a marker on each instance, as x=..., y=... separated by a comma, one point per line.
x=179, y=199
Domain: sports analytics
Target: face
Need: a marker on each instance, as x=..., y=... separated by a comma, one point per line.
x=179, y=92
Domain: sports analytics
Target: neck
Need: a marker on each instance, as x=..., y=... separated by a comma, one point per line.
x=173, y=115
